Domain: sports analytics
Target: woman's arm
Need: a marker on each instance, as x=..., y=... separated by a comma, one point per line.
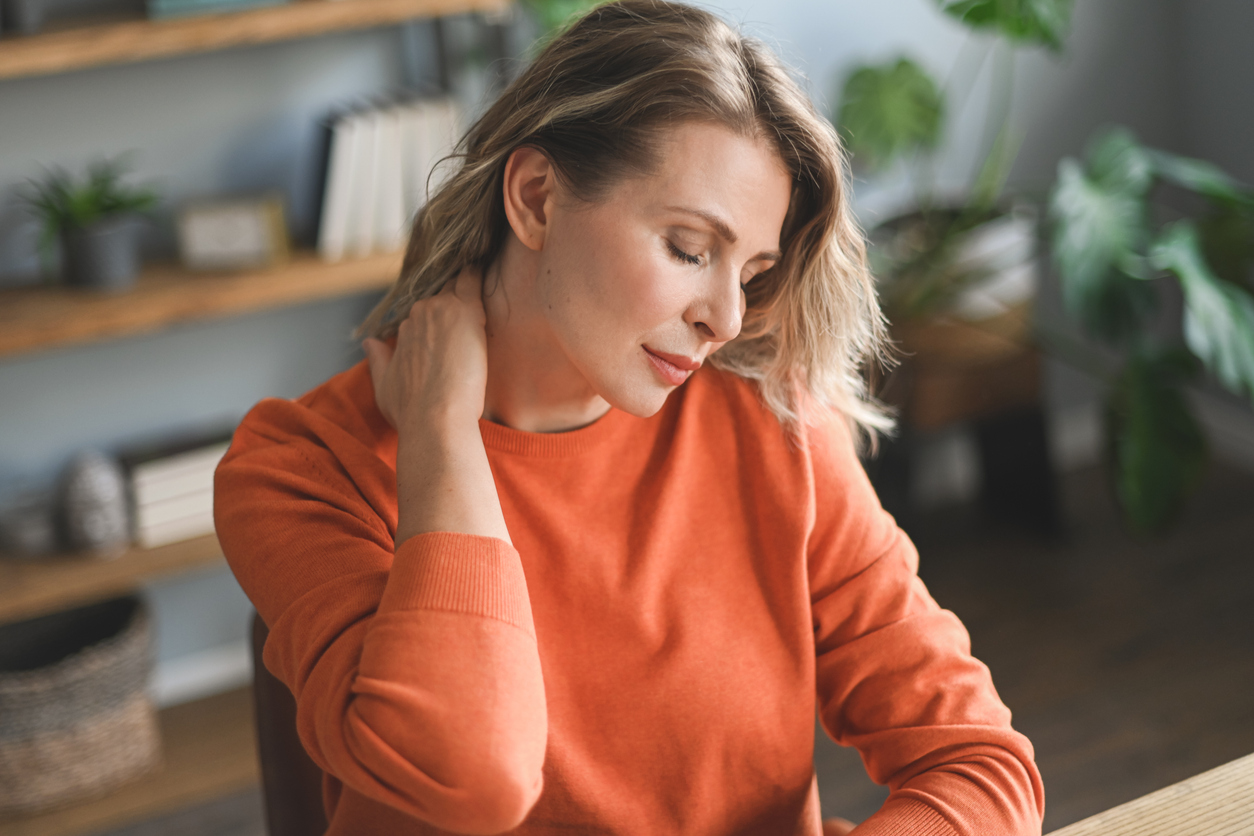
x=411, y=652
x=431, y=389
x=895, y=676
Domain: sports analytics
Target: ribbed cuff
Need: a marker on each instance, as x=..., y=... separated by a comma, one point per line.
x=467, y=573
x=906, y=817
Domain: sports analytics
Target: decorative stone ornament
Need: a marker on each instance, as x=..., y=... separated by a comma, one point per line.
x=93, y=505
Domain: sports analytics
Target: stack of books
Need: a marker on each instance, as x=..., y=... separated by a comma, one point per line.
x=171, y=489
x=382, y=163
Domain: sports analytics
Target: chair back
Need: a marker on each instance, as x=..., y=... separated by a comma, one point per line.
x=291, y=781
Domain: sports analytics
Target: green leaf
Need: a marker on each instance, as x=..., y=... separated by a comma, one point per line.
x=554, y=15
x=1218, y=316
x=1157, y=447
x=1228, y=243
x=1043, y=22
x=1119, y=163
x=1098, y=228
x=889, y=110
x=1201, y=177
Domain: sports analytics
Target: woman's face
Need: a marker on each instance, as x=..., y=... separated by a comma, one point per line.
x=640, y=287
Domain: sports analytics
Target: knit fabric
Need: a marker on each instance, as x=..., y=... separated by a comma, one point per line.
x=682, y=593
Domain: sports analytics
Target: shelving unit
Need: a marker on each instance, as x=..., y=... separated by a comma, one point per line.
x=40, y=318
x=209, y=744
x=209, y=751
x=131, y=41
x=35, y=587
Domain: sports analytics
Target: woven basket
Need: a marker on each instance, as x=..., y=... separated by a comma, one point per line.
x=76, y=720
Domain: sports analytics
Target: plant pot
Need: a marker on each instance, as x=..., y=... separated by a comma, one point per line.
x=103, y=255
x=24, y=16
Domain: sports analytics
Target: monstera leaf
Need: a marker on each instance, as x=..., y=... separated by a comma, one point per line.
x=1155, y=444
x=889, y=110
x=1201, y=177
x=1218, y=316
x=1099, y=229
x=1043, y=22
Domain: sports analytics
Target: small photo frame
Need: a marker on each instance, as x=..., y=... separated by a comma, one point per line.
x=229, y=235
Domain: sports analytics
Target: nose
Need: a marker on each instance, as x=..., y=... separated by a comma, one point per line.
x=718, y=312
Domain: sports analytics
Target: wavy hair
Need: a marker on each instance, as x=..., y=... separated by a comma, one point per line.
x=597, y=101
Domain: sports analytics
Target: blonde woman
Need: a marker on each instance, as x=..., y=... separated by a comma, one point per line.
x=584, y=542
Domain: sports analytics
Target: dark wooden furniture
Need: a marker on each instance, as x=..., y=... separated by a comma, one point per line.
x=291, y=781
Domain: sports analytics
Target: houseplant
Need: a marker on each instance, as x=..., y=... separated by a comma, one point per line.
x=957, y=273
x=1131, y=226
x=95, y=221
x=924, y=257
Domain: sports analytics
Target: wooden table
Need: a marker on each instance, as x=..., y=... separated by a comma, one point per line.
x=1216, y=803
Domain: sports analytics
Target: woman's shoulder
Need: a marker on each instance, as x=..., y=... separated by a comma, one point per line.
x=721, y=397
x=339, y=414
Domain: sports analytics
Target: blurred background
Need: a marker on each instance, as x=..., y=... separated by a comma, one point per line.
x=1096, y=554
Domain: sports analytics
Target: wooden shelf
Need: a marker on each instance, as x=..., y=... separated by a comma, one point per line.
x=132, y=41
x=34, y=587
x=209, y=750
x=47, y=317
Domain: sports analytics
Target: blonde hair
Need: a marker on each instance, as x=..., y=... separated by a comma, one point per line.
x=597, y=101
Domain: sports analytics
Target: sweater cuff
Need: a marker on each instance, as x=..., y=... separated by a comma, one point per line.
x=905, y=817
x=463, y=573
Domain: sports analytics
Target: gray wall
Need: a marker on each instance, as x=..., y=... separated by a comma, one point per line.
x=224, y=123
x=244, y=120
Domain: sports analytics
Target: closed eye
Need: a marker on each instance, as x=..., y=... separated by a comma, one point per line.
x=680, y=255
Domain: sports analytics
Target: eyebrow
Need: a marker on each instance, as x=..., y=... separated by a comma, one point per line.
x=724, y=231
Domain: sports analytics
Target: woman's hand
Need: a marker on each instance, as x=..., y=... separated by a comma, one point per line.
x=438, y=370
x=431, y=389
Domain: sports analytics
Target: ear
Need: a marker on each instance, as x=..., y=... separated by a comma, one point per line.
x=529, y=190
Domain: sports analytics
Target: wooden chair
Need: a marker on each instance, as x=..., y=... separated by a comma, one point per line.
x=291, y=781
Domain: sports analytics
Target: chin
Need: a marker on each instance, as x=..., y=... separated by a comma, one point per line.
x=640, y=400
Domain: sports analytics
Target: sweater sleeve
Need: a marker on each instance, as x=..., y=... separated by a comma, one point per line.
x=415, y=670
x=895, y=675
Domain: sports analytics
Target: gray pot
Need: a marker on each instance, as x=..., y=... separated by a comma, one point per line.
x=103, y=255
x=25, y=16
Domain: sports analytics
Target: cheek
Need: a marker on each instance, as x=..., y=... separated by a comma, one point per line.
x=619, y=278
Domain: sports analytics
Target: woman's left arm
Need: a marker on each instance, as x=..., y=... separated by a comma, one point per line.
x=895, y=675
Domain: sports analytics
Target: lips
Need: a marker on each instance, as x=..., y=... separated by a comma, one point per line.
x=673, y=368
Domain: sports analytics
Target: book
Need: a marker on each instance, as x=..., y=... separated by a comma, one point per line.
x=333, y=228
x=170, y=486
x=390, y=226
x=362, y=204
x=378, y=173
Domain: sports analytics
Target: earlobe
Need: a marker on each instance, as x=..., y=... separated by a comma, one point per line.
x=527, y=187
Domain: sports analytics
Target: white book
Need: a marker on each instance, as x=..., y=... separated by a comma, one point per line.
x=366, y=178
x=442, y=135
x=176, y=475
x=333, y=229
x=416, y=156
x=180, y=529
x=389, y=227
x=153, y=514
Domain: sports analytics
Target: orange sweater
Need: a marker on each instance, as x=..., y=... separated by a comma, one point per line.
x=681, y=591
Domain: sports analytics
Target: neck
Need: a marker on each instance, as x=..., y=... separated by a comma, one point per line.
x=532, y=384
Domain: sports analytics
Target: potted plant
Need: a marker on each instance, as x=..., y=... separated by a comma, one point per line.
x=1121, y=241
x=95, y=221
x=957, y=276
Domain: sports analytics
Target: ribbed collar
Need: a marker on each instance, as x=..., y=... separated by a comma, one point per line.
x=549, y=445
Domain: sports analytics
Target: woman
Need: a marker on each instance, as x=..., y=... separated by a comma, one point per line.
x=579, y=545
